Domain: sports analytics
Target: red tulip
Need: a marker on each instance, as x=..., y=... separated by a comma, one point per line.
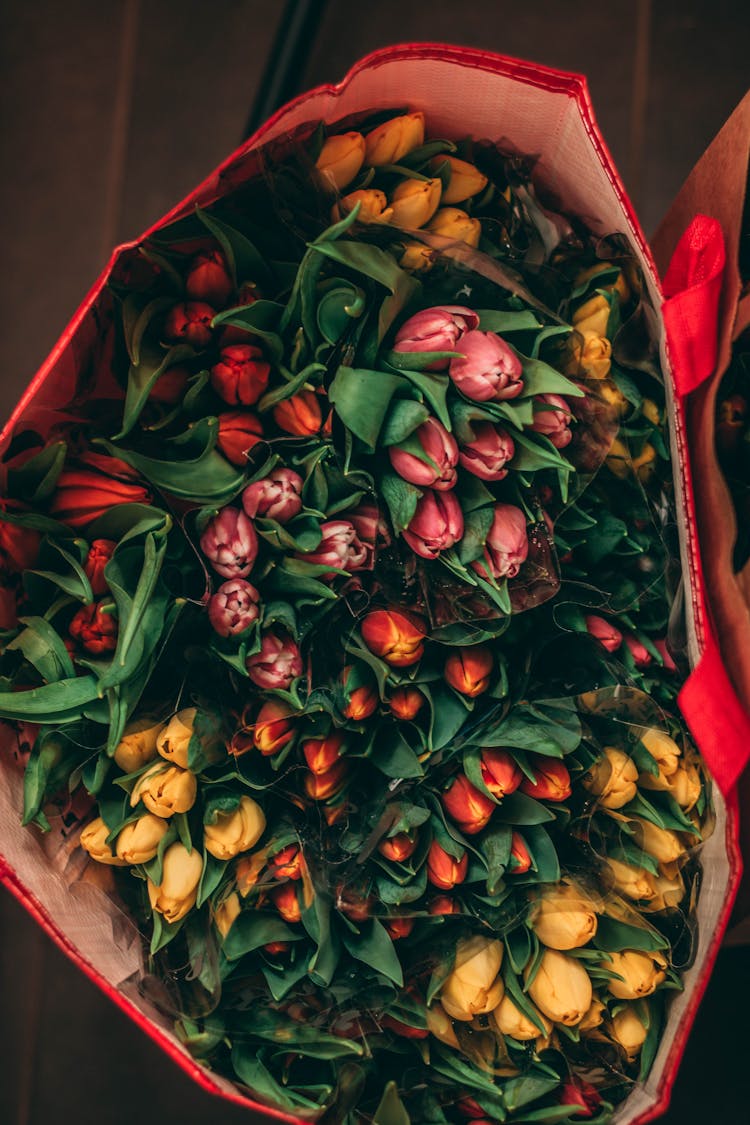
x=274, y=948
x=362, y=699
x=340, y=547
x=403, y=1029
x=233, y=608
x=552, y=417
x=299, y=415
x=435, y=465
x=464, y=803
x=273, y=729
x=604, y=632
x=665, y=654
x=230, y=543
x=94, y=629
x=289, y=863
x=641, y=656
x=396, y=638
x=239, y=432
x=520, y=857
x=208, y=279
x=286, y=902
x=406, y=702
x=444, y=870
x=500, y=772
x=585, y=1097
x=469, y=670
x=551, y=780
x=169, y=388
x=488, y=453
x=19, y=547
x=276, y=497
x=277, y=664
x=435, y=330
x=488, y=369
x=241, y=375
x=234, y=333
x=441, y=905
x=190, y=323
x=437, y=524
x=398, y=928
x=322, y=754
x=399, y=847
x=85, y=493
x=321, y=786
x=507, y=545
x=470, y=1108
x=100, y=552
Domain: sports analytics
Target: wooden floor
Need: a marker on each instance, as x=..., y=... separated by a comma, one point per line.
x=111, y=110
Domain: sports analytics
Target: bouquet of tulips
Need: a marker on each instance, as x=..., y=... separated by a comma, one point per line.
x=335, y=622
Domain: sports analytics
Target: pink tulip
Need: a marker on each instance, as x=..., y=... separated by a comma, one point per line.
x=372, y=530
x=277, y=664
x=488, y=368
x=553, y=420
x=437, y=524
x=435, y=330
x=437, y=467
x=277, y=497
x=604, y=632
x=230, y=543
x=665, y=654
x=340, y=547
x=641, y=656
x=488, y=453
x=507, y=544
x=233, y=608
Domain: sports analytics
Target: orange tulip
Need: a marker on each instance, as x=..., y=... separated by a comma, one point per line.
x=299, y=415
x=286, y=902
x=322, y=754
x=273, y=727
x=406, y=702
x=551, y=780
x=468, y=670
x=444, y=870
x=398, y=847
x=500, y=772
x=395, y=637
x=470, y=809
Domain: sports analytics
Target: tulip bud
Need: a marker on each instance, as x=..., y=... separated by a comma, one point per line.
x=613, y=779
x=398, y=928
x=435, y=465
x=138, y=842
x=173, y=740
x=564, y=917
x=552, y=418
x=594, y=1016
x=241, y=375
x=664, y=750
x=208, y=279
x=685, y=786
x=226, y=913
x=84, y=494
x=239, y=432
x=322, y=786
x=611, y=394
x=441, y=905
x=511, y=1021
x=551, y=780
x=100, y=552
x=299, y=415
x=95, y=629
x=669, y=892
x=394, y=637
x=176, y=895
x=233, y=608
x=339, y=547
x=470, y=809
x=165, y=790
x=416, y=257
x=591, y=355
x=441, y=1026
x=507, y=544
x=469, y=670
x=585, y=1097
x=398, y=848
x=437, y=524
x=662, y=648
x=94, y=841
x=414, y=202
x=322, y=754
x=488, y=369
x=19, y=547
x=474, y=987
x=628, y=1031
x=387, y=143
x=593, y=315
x=341, y=158
x=170, y=386
x=641, y=656
x=278, y=663
x=373, y=206
x=453, y=223
x=561, y=988
x=435, y=330
x=443, y=870
x=520, y=857
x=230, y=543
x=276, y=497
x=362, y=701
x=465, y=179
x=635, y=883
x=641, y=973
x=273, y=727
x=488, y=453
x=662, y=843
x=604, y=632
x=236, y=831
x=137, y=745
x=354, y=901
x=289, y=863
x=189, y=323
x=500, y=772
x=406, y=702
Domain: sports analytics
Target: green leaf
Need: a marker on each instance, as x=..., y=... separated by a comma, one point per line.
x=142, y=377
x=503, y=321
x=59, y=702
x=253, y=929
x=613, y=935
x=393, y=755
x=401, y=498
x=534, y=451
x=203, y=477
x=362, y=399
x=541, y=379
x=404, y=418
x=245, y=261
x=35, y=480
x=391, y=1110
x=433, y=386
x=517, y=808
x=374, y=947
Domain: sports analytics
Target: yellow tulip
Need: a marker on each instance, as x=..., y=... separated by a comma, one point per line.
x=590, y=355
x=174, y=738
x=670, y=892
x=662, y=843
x=511, y=1021
x=628, y=1030
x=165, y=790
x=474, y=987
x=178, y=890
x=594, y=1016
x=452, y=222
x=650, y=411
x=439, y=1025
x=137, y=745
x=387, y=143
x=561, y=988
x=236, y=831
x=373, y=206
x=635, y=883
x=414, y=202
x=416, y=257
x=466, y=180
x=564, y=917
x=619, y=285
x=593, y=315
x=341, y=158
x=226, y=913
x=685, y=786
x=94, y=841
x=139, y=841
x=613, y=779
x=640, y=972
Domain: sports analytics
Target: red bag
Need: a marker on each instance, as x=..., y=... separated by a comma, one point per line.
x=538, y=111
